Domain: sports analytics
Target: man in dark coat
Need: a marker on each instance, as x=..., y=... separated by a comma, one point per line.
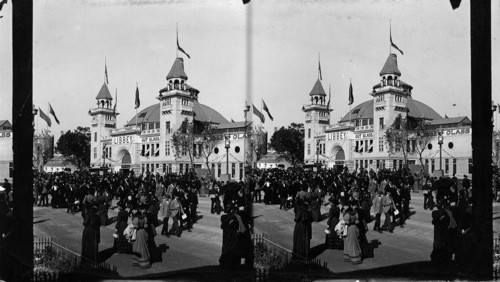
x=229, y=224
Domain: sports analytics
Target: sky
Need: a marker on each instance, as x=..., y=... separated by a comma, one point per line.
x=73, y=38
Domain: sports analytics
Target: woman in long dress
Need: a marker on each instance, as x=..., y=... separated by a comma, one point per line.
x=352, y=249
x=121, y=244
x=333, y=240
x=302, y=232
x=140, y=245
x=91, y=233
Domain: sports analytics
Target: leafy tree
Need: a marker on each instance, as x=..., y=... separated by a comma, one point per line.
x=208, y=140
x=424, y=134
x=75, y=146
x=397, y=137
x=408, y=135
x=183, y=140
x=289, y=142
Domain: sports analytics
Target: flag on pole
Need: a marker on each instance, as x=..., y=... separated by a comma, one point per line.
x=351, y=96
x=258, y=113
x=445, y=116
x=392, y=43
x=106, y=71
x=264, y=106
x=179, y=47
x=232, y=120
x=137, y=101
x=319, y=70
x=45, y=117
x=116, y=101
x=53, y=113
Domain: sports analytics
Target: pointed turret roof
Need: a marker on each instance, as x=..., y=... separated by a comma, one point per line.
x=177, y=70
x=318, y=89
x=104, y=93
x=391, y=66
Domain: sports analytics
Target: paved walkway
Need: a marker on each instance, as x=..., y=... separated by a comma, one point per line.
x=198, y=250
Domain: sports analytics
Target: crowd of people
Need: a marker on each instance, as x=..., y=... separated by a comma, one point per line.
x=357, y=198
x=354, y=199
x=141, y=200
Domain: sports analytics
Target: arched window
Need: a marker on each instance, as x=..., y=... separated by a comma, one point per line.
x=102, y=103
x=316, y=99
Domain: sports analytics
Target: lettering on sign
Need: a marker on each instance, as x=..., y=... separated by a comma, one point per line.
x=5, y=134
x=363, y=135
x=459, y=131
x=341, y=135
x=150, y=139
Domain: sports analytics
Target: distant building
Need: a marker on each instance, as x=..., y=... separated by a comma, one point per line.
x=273, y=160
x=145, y=142
x=358, y=139
x=58, y=164
x=6, y=155
x=43, y=149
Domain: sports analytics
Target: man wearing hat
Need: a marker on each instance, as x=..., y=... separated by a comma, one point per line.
x=7, y=185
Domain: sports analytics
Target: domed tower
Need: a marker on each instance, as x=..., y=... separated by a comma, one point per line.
x=103, y=122
x=390, y=96
x=176, y=104
x=317, y=117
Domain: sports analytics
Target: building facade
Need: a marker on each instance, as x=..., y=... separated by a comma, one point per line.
x=358, y=139
x=146, y=142
x=6, y=155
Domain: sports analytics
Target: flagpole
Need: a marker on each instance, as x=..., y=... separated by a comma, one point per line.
x=390, y=35
x=350, y=119
x=177, y=37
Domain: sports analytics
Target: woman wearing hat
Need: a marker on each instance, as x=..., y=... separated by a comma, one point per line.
x=352, y=249
x=121, y=244
x=140, y=249
x=91, y=233
x=333, y=240
x=302, y=232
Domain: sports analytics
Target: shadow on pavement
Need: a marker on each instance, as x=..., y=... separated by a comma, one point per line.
x=105, y=254
x=423, y=270
x=40, y=221
x=315, y=251
x=204, y=273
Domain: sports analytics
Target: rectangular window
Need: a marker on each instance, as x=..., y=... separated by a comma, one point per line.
x=454, y=166
x=308, y=149
x=356, y=148
x=233, y=169
x=357, y=164
x=95, y=136
x=378, y=164
x=241, y=171
x=381, y=123
x=218, y=169
x=147, y=167
x=381, y=144
x=164, y=168
x=432, y=165
x=324, y=148
x=167, y=127
x=309, y=133
x=400, y=164
x=181, y=167
x=169, y=168
x=446, y=165
x=167, y=148
x=394, y=164
x=95, y=153
x=142, y=168
x=470, y=166
x=187, y=169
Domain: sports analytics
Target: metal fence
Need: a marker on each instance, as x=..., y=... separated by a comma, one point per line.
x=305, y=263
x=84, y=268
